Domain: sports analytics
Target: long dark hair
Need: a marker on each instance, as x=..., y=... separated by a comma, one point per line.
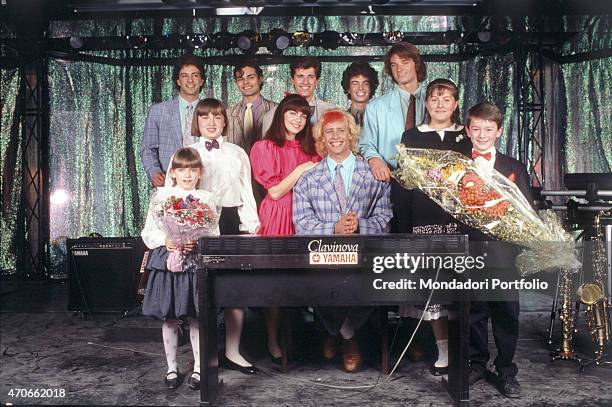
x=406, y=50
x=277, y=130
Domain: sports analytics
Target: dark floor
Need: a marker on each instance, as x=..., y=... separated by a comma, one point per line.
x=106, y=361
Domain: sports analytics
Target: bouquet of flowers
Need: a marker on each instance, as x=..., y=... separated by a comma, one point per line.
x=185, y=216
x=488, y=202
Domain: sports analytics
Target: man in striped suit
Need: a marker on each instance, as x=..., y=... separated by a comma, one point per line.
x=246, y=116
x=168, y=124
x=340, y=196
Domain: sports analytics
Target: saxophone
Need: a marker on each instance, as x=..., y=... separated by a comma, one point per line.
x=597, y=313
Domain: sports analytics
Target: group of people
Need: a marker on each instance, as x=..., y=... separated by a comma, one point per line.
x=305, y=166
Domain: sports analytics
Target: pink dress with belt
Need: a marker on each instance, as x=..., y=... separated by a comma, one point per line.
x=271, y=164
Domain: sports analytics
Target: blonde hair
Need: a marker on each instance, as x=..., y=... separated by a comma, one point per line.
x=332, y=116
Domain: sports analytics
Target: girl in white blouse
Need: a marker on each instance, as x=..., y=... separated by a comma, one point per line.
x=169, y=295
x=228, y=174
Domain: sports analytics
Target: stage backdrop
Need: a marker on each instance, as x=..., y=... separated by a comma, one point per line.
x=97, y=111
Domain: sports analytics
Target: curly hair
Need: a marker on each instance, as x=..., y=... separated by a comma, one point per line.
x=251, y=63
x=332, y=116
x=356, y=69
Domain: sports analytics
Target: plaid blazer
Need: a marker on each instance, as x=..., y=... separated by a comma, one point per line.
x=315, y=203
x=161, y=137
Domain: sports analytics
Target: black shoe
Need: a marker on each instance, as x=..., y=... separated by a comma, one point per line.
x=508, y=386
x=439, y=371
x=476, y=375
x=193, y=382
x=276, y=360
x=228, y=364
x=173, y=383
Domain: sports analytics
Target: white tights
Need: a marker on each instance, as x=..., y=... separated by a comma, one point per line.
x=170, y=337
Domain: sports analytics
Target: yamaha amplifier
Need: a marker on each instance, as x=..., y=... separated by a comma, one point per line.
x=103, y=273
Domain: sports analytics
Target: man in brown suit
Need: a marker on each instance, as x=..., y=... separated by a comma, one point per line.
x=245, y=117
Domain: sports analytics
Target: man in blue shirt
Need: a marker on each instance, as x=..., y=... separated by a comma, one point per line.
x=340, y=196
x=400, y=109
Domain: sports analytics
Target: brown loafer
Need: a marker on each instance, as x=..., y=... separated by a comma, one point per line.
x=329, y=347
x=351, y=355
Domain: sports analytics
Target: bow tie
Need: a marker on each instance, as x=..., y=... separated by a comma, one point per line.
x=476, y=154
x=211, y=144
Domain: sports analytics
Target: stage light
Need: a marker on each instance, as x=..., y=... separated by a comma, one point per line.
x=136, y=41
x=197, y=40
x=329, y=39
x=221, y=41
x=279, y=41
x=76, y=42
x=247, y=42
x=451, y=37
x=349, y=38
x=58, y=197
x=302, y=38
x=393, y=37
x=485, y=36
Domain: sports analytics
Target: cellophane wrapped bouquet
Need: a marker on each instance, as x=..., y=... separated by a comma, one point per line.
x=185, y=216
x=489, y=202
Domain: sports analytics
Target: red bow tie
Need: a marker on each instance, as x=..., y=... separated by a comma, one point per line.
x=211, y=144
x=476, y=154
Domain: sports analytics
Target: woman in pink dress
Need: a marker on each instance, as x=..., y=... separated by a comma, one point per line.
x=278, y=161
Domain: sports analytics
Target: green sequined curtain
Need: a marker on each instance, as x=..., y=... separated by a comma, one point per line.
x=10, y=165
x=98, y=110
x=586, y=126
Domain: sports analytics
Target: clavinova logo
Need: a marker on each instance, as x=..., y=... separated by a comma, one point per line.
x=333, y=253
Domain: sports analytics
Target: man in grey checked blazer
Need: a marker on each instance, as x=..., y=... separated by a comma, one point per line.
x=164, y=131
x=322, y=204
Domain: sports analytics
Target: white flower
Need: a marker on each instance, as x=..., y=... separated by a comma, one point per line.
x=459, y=138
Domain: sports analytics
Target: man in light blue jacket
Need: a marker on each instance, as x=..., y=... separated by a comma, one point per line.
x=388, y=116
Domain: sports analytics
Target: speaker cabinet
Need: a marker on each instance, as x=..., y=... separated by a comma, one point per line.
x=103, y=273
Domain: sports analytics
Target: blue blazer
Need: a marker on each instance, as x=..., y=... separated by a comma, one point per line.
x=161, y=137
x=316, y=208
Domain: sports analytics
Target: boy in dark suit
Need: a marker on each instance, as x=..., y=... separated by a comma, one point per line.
x=483, y=125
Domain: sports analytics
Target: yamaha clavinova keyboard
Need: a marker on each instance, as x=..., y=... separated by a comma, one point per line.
x=257, y=271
